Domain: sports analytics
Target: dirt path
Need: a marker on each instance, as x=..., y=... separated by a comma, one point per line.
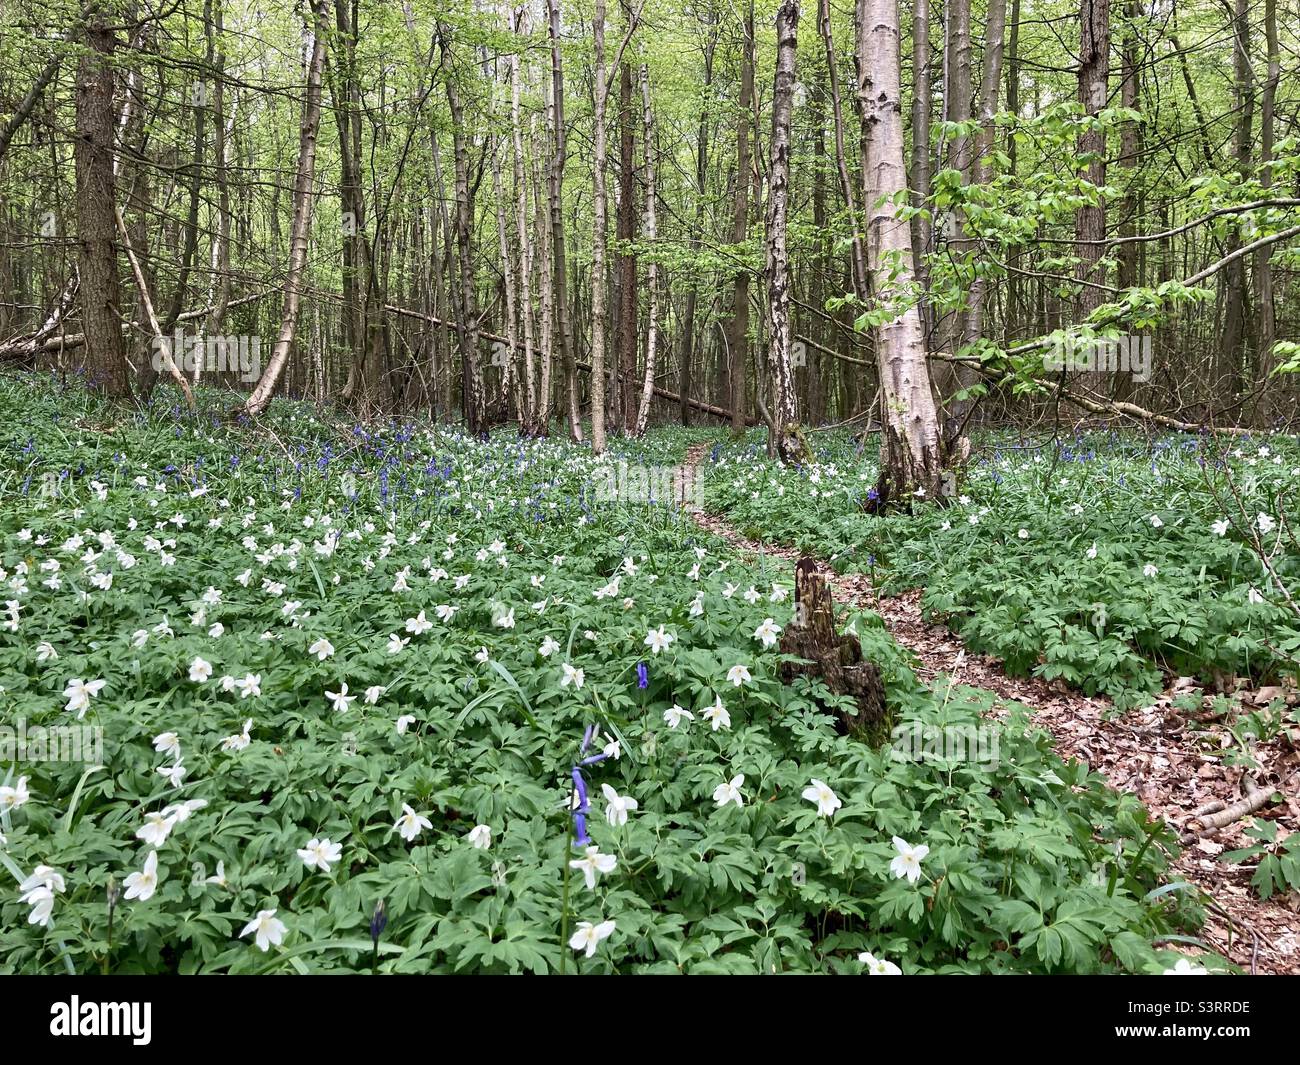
x=1150, y=752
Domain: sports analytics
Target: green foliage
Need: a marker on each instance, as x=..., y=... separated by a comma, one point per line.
x=1098, y=559
x=1277, y=868
x=310, y=532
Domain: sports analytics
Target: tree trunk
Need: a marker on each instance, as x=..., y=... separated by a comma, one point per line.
x=921, y=103
x=953, y=378
x=701, y=178
x=104, y=360
x=652, y=272
x=785, y=438
x=555, y=186
x=1233, y=281
x=858, y=259
x=1130, y=144
x=1011, y=317
x=473, y=391
x=221, y=287
x=133, y=173
x=199, y=105
x=300, y=230
x=507, y=359
x=599, y=283
x=545, y=282
x=911, y=459
x=529, y=415
x=738, y=334
x=1265, y=315
x=1094, y=75
x=626, y=400
x=982, y=164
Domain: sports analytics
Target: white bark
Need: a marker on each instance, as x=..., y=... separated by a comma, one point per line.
x=784, y=439
x=302, y=211
x=650, y=229
x=910, y=453
x=599, y=227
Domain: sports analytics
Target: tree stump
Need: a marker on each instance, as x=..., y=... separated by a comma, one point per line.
x=836, y=660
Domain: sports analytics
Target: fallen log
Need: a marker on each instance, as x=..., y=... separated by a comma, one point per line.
x=36, y=344
x=28, y=347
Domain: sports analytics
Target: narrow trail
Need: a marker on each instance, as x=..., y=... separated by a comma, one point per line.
x=1150, y=752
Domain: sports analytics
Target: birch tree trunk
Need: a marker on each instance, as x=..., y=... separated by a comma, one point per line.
x=300, y=230
x=599, y=282
x=911, y=460
x=625, y=400
x=545, y=285
x=555, y=186
x=652, y=271
x=738, y=332
x=529, y=415
x=785, y=439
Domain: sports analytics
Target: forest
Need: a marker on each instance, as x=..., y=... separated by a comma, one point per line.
x=662, y=486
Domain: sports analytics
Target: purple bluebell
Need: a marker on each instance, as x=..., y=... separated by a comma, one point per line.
x=580, y=837
x=378, y=922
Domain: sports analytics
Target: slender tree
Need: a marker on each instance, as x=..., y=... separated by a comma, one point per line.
x=784, y=436
x=299, y=233
x=555, y=193
x=599, y=282
x=651, y=230
x=738, y=333
x=1093, y=78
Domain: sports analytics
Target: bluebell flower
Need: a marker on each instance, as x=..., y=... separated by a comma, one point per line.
x=581, y=806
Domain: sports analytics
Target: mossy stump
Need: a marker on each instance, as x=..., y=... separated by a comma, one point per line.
x=837, y=660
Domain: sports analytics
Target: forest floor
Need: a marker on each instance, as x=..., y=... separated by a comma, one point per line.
x=1149, y=752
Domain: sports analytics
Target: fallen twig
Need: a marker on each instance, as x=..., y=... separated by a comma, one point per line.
x=1254, y=800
